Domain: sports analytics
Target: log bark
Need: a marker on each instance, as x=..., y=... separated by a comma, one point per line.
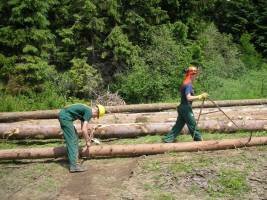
x=235, y=113
x=53, y=114
x=167, y=106
x=240, y=112
x=132, y=150
x=13, y=131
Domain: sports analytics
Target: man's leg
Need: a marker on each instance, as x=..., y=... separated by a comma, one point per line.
x=176, y=129
x=71, y=140
x=191, y=124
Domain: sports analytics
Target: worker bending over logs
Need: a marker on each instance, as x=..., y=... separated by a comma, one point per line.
x=66, y=117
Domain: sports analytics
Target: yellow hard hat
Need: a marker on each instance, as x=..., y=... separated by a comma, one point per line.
x=101, y=110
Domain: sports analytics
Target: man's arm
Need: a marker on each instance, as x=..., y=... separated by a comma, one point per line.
x=198, y=97
x=85, y=133
x=191, y=98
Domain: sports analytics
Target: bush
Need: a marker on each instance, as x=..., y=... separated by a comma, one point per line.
x=48, y=99
x=85, y=80
x=220, y=59
x=250, y=57
x=156, y=74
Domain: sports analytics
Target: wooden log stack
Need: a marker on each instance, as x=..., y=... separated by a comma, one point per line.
x=127, y=122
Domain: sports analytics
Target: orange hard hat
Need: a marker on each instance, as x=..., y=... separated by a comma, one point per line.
x=192, y=69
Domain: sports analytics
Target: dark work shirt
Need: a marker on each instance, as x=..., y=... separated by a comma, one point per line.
x=185, y=90
x=76, y=111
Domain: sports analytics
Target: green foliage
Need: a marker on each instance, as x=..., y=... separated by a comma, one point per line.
x=136, y=27
x=250, y=57
x=141, y=85
x=259, y=33
x=85, y=80
x=48, y=99
x=138, y=47
x=27, y=75
x=229, y=183
x=180, y=31
x=239, y=17
x=249, y=85
x=219, y=60
x=30, y=12
x=122, y=48
x=156, y=75
x=150, y=10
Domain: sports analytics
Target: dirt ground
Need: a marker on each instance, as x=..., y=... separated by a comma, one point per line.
x=103, y=180
x=226, y=174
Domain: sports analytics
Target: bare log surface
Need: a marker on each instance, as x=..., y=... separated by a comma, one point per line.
x=132, y=150
x=43, y=131
x=235, y=113
x=53, y=114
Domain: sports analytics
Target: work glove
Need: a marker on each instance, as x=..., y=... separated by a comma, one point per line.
x=203, y=96
x=96, y=141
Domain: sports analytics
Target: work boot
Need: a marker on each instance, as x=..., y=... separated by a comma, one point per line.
x=77, y=168
x=168, y=141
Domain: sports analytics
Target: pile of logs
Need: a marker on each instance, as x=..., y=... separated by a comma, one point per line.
x=126, y=121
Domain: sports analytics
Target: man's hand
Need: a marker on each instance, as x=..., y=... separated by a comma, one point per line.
x=203, y=96
x=96, y=141
x=88, y=144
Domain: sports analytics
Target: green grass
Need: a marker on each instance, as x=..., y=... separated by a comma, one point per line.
x=12, y=144
x=202, y=175
x=43, y=101
x=31, y=179
x=187, y=138
x=251, y=85
x=228, y=183
x=162, y=196
x=28, y=143
x=152, y=166
x=226, y=172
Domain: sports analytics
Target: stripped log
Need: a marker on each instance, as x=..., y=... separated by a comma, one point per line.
x=240, y=112
x=237, y=112
x=132, y=150
x=53, y=114
x=11, y=130
x=167, y=106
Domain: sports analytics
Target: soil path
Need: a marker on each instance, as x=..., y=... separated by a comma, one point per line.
x=102, y=180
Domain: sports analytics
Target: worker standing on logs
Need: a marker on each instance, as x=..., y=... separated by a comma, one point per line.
x=185, y=113
x=66, y=117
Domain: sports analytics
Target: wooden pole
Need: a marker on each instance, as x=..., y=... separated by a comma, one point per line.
x=22, y=131
x=132, y=149
x=235, y=113
x=53, y=114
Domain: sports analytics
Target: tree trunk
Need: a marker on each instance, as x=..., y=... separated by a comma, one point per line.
x=132, y=150
x=240, y=112
x=43, y=131
x=53, y=114
x=235, y=113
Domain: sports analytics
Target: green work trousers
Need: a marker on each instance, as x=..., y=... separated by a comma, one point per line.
x=185, y=116
x=72, y=141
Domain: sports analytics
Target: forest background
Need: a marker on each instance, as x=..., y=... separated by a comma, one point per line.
x=56, y=52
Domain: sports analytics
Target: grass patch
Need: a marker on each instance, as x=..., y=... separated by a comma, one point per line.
x=162, y=196
x=31, y=178
x=32, y=143
x=12, y=144
x=152, y=166
x=229, y=183
x=181, y=167
x=187, y=138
